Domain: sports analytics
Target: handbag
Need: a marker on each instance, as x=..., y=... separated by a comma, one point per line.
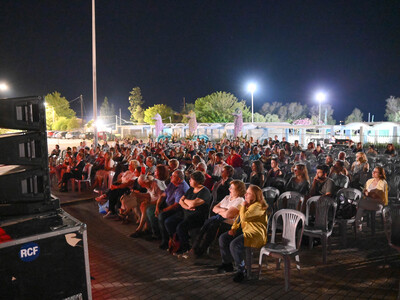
x=103, y=208
x=173, y=244
x=348, y=209
x=129, y=201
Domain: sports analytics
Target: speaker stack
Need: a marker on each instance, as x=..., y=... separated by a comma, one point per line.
x=43, y=250
x=24, y=174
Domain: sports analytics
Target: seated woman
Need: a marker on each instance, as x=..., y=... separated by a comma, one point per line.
x=226, y=210
x=376, y=195
x=195, y=205
x=338, y=175
x=248, y=230
x=299, y=182
x=390, y=150
x=274, y=172
x=101, y=175
x=359, y=170
x=221, y=187
x=155, y=188
x=257, y=176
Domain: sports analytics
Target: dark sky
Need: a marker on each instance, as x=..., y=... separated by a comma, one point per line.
x=176, y=49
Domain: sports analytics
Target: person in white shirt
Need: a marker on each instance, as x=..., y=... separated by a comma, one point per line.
x=219, y=165
x=226, y=211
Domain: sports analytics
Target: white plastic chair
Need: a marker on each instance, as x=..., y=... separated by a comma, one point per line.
x=88, y=169
x=325, y=211
x=290, y=244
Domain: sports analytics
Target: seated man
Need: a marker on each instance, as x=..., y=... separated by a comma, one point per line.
x=166, y=206
x=322, y=184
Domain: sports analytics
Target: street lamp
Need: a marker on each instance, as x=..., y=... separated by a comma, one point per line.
x=320, y=97
x=252, y=87
x=3, y=87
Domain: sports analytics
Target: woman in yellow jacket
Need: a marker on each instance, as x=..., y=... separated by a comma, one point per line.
x=248, y=230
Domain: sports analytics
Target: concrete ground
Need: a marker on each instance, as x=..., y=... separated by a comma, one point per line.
x=126, y=268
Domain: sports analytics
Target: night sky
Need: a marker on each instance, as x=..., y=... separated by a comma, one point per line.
x=176, y=49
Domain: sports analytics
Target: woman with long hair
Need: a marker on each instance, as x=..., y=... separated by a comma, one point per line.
x=225, y=211
x=257, y=176
x=375, y=194
x=299, y=182
x=248, y=230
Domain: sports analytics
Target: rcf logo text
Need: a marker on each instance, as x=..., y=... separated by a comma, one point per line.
x=29, y=252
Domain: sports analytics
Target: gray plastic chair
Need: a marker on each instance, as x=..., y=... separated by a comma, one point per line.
x=271, y=194
x=325, y=210
x=294, y=200
x=344, y=196
x=391, y=219
x=290, y=244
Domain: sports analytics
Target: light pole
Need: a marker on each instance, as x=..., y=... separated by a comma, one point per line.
x=320, y=97
x=3, y=87
x=94, y=72
x=252, y=87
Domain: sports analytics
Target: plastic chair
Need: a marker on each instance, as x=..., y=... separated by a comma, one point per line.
x=290, y=244
x=271, y=194
x=391, y=219
x=346, y=196
x=294, y=200
x=325, y=210
x=88, y=169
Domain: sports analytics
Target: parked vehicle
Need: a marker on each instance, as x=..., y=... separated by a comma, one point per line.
x=86, y=135
x=60, y=135
x=103, y=135
x=50, y=133
x=72, y=135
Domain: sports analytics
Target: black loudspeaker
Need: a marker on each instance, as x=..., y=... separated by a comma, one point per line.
x=24, y=177
x=27, y=113
x=24, y=148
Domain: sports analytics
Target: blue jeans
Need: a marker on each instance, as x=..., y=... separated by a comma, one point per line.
x=232, y=249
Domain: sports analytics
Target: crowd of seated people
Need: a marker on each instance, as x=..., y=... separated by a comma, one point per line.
x=191, y=192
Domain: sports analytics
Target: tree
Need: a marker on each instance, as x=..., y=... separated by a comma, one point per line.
x=325, y=109
x=60, y=105
x=219, y=107
x=287, y=112
x=355, y=116
x=165, y=112
x=270, y=108
x=106, y=110
x=135, y=105
x=259, y=117
x=392, y=109
x=185, y=111
x=271, y=118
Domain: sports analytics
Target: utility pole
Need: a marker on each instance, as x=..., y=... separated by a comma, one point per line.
x=81, y=111
x=184, y=104
x=120, y=117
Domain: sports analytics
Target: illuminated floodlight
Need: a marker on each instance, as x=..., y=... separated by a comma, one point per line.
x=320, y=96
x=251, y=87
x=99, y=123
x=3, y=87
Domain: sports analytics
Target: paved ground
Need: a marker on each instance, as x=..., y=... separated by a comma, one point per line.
x=126, y=268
